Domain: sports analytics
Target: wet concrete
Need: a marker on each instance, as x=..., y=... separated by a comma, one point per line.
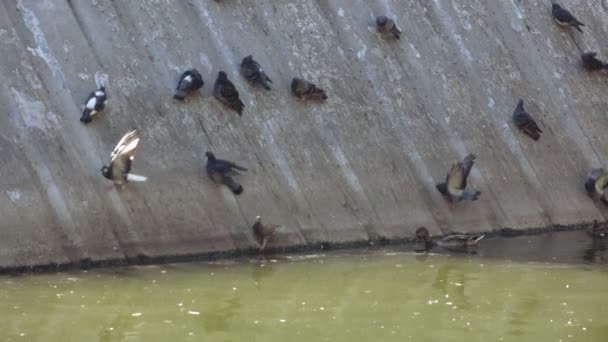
x=362, y=166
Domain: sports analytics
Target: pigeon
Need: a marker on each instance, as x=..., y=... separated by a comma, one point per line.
x=221, y=171
x=96, y=102
x=305, y=89
x=596, y=183
x=121, y=159
x=564, y=18
x=253, y=72
x=189, y=81
x=225, y=92
x=590, y=62
x=452, y=241
x=524, y=121
x=387, y=25
x=263, y=232
x=454, y=188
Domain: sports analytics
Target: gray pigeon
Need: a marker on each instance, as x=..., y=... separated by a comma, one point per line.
x=564, y=18
x=253, y=72
x=225, y=92
x=304, y=89
x=263, y=232
x=387, y=25
x=524, y=121
x=121, y=159
x=221, y=172
x=191, y=80
x=596, y=184
x=454, y=188
x=590, y=62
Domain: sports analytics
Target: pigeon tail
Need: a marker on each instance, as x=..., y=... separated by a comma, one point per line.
x=471, y=195
x=86, y=115
x=179, y=94
x=240, y=168
x=235, y=187
x=319, y=94
x=475, y=239
x=534, y=134
x=136, y=178
x=396, y=32
x=238, y=107
x=264, y=84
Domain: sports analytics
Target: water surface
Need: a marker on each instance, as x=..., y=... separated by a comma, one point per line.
x=381, y=295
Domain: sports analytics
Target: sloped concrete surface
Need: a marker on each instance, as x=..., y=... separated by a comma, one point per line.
x=361, y=166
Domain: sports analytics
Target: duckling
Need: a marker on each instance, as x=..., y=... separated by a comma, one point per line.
x=263, y=232
x=453, y=241
x=597, y=231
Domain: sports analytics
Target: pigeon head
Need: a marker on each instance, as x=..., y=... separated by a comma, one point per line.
x=555, y=6
x=102, y=88
x=442, y=188
x=222, y=75
x=106, y=172
x=248, y=58
x=258, y=219
x=381, y=20
x=520, y=104
x=422, y=234
x=210, y=155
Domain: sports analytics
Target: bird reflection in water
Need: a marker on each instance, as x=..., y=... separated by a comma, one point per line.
x=451, y=281
x=217, y=317
x=596, y=253
x=261, y=268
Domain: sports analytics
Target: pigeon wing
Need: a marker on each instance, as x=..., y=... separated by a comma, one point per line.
x=457, y=178
x=601, y=183
x=592, y=176
x=126, y=146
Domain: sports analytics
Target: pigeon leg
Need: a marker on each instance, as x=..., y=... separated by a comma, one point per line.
x=263, y=245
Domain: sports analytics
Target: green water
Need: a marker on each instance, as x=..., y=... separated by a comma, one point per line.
x=365, y=296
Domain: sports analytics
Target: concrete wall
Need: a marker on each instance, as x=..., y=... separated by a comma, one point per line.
x=361, y=166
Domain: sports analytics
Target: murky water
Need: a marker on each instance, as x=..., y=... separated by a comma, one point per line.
x=349, y=296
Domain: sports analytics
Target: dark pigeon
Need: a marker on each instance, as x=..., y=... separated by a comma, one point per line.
x=96, y=102
x=222, y=171
x=524, y=121
x=304, y=89
x=454, y=188
x=387, y=25
x=564, y=18
x=590, y=62
x=225, y=92
x=263, y=232
x=189, y=81
x=121, y=159
x=253, y=72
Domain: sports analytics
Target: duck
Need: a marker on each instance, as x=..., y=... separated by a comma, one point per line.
x=263, y=232
x=452, y=241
